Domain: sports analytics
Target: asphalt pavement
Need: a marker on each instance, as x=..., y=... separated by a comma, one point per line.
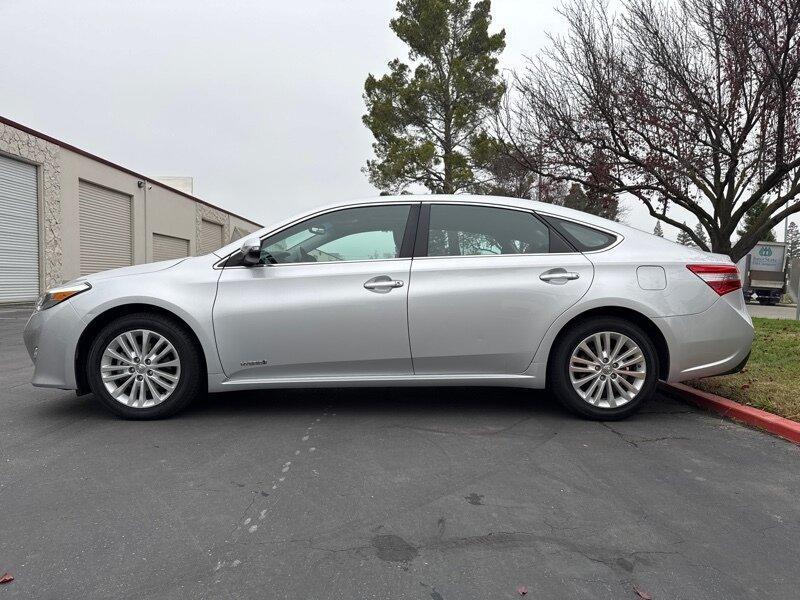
x=438, y=494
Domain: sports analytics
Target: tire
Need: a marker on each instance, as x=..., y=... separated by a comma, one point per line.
x=561, y=378
x=180, y=358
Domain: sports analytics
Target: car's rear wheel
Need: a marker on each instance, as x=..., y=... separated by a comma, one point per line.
x=144, y=366
x=604, y=368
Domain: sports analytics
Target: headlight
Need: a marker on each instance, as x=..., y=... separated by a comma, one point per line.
x=58, y=294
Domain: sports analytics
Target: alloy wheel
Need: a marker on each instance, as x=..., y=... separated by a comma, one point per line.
x=607, y=369
x=140, y=368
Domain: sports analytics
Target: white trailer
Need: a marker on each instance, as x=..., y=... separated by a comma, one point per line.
x=763, y=272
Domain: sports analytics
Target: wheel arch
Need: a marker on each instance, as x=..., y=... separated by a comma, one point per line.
x=105, y=317
x=649, y=327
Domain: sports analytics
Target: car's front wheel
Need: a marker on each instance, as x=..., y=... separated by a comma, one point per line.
x=604, y=368
x=144, y=366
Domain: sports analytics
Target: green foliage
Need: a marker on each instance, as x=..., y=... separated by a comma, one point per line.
x=754, y=219
x=427, y=117
x=658, y=230
x=592, y=201
x=576, y=198
x=700, y=232
x=506, y=173
x=684, y=238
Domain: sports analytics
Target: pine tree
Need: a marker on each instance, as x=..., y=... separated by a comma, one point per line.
x=428, y=116
x=576, y=198
x=700, y=232
x=593, y=201
x=683, y=238
x=507, y=177
x=658, y=230
x=751, y=222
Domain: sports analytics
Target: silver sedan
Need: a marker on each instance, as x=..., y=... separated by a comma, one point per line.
x=412, y=290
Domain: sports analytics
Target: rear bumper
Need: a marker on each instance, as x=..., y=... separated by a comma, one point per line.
x=714, y=342
x=738, y=367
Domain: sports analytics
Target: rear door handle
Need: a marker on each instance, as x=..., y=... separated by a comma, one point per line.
x=383, y=283
x=559, y=275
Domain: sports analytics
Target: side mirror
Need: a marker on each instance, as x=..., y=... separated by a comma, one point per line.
x=251, y=252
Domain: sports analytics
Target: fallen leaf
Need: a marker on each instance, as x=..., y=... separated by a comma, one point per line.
x=6, y=578
x=745, y=386
x=641, y=593
x=522, y=590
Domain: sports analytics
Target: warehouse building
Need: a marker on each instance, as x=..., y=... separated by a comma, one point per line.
x=66, y=213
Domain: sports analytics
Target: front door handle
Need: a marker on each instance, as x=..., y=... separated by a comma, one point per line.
x=383, y=283
x=559, y=275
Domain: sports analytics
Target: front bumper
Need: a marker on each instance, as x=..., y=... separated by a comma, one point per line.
x=51, y=337
x=714, y=342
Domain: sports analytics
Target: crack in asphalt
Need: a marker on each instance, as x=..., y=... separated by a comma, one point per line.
x=636, y=440
x=460, y=433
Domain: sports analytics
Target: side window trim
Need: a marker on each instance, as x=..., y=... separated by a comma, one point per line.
x=411, y=232
x=233, y=260
x=421, y=244
x=556, y=237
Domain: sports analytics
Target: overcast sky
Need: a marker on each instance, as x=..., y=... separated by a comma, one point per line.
x=259, y=101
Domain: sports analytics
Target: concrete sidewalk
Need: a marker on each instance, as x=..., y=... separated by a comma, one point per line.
x=782, y=311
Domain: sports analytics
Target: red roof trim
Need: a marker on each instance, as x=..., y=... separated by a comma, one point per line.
x=108, y=163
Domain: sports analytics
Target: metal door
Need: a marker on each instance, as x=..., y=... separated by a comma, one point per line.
x=105, y=218
x=19, y=231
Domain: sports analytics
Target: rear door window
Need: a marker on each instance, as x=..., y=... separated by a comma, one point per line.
x=463, y=230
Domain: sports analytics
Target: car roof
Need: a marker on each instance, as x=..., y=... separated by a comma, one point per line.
x=502, y=201
x=619, y=229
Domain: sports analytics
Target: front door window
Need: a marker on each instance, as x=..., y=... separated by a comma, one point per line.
x=363, y=233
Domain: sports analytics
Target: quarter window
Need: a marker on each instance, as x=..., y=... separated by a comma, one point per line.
x=462, y=230
x=583, y=237
x=364, y=233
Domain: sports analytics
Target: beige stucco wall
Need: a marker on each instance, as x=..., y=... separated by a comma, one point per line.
x=242, y=225
x=74, y=168
x=155, y=209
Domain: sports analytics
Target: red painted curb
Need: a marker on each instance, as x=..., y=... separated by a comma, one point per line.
x=784, y=428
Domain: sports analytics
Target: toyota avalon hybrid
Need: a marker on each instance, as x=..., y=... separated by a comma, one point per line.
x=403, y=291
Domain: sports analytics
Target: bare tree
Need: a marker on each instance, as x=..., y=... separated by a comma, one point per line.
x=693, y=103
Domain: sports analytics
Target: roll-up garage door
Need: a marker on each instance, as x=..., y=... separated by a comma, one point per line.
x=166, y=247
x=210, y=237
x=19, y=231
x=105, y=226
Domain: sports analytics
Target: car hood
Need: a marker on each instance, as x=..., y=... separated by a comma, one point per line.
x=133, y=270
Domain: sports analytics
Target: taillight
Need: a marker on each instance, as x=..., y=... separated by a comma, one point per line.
x=720, y=278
